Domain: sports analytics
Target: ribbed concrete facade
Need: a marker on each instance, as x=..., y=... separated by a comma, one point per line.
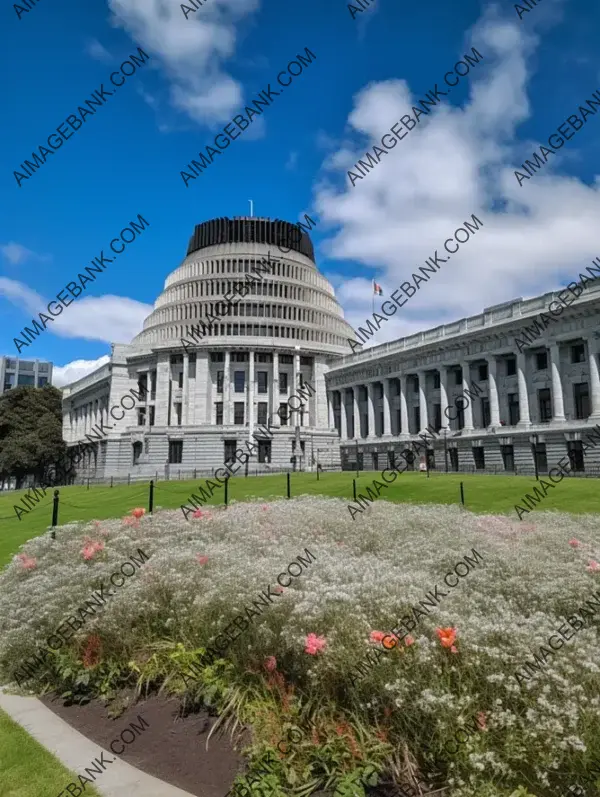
x=212, y=373
x=499, y=391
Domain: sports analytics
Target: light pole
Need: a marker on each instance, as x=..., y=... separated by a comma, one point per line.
x=357, y=473
x=534, y=440
x=446, y=447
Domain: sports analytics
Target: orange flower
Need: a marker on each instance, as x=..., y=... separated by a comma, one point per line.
x=377, y=636
x=138, y=512
x=447, y=637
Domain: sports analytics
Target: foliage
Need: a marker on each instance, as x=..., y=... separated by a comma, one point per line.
x=30, y=431
x=393, y=722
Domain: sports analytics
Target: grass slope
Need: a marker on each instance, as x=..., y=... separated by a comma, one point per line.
x=484, y=494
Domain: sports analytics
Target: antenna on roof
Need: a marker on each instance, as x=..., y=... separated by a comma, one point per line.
x=251, y=208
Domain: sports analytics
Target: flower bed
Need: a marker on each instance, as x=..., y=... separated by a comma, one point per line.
x=331, y=703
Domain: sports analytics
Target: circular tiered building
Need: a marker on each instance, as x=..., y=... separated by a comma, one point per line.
x=235, y=350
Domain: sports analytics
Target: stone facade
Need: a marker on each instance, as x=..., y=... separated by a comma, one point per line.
x=211, y=374
x=514, y=387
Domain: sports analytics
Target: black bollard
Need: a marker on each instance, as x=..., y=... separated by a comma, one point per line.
x=151, y=498
x=226, y=491
x=462, y=494
x=54, y=513
x=289, y=487
x=354, y=489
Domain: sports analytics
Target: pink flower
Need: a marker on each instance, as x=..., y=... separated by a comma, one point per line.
x=314, y=643
x=28, y=562
x=592, y=566
x=278, y=589
x=138, y=512
x=90, y=548
x=481, y=721
x=408, y=641
x=202, y=560
x=270, y=663
x=574, y=543
x=265, y=507
x=377, y=636
x=199, y=514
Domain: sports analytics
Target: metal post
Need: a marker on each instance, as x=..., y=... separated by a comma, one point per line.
x=317, y=471
x=151, y=498
x=88, y=483
x=354, y=489
x=55, y=513
x=446, y=447
x=129, y=478
x=111, y=481
x=357, y=473
x=289, y=486
x=179, y=474
x=462, y=494
x=194, y=474
x=226, y=491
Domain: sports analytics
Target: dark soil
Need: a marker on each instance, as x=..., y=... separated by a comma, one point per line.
x=172, y=748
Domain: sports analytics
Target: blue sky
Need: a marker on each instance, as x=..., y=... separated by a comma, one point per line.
x=127, y=158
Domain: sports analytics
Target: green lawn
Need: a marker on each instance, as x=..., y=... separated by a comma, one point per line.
x=483, y=494
x=26, y=768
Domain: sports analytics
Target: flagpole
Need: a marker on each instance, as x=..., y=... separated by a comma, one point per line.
x=373, y=296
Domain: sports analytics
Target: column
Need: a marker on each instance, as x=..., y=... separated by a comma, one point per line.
x=592, y=345
x=250, y=394
x=524, y=419
x=387, y=418
x=403, y=405
x=466, y=384
x=293, y=391
x=275, y=419
x=343, y=418
x=423, y=418
x=371, y=408
x=558, y=407
x=356, y=413
x=163, y=377
x=330, y=414
x=444, y=397
x=226, y=397
x=492, y=364
x=186, y=389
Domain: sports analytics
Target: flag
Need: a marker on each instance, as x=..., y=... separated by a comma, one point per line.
x=377, y=289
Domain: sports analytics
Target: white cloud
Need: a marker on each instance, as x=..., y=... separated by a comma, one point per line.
x=191, y=50
x=291, y=161
x=16, y=253
x=111, y=319
x=65, y=374
x=98, y=52
x=456, y=162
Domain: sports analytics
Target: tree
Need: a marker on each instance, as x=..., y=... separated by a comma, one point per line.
x=30, y=432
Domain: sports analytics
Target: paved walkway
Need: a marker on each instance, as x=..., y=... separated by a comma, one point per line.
x=76, y=752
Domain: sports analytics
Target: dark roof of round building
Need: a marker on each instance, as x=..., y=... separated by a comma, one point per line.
x=247, y=229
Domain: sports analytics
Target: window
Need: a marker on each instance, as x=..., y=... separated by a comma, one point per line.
x=180, y=379
x=436, y=380
x=578, y=353
x=479, y=457
x=453, y=459
x=176, y=359
x=458, y=377
x=239, y=379
x=238, y=413
x=545, y=405
x=575, y=451
x=239, y=356
x=306, y=360
x=485, y=412
x=42, y=380
x=217, y=357
x=262, y=412
x=230, y=448
x=264, y=450
x=175, y=452
x=219, y=413
x=137, y=452
x=581, y=399
x=514, y=414
x=263, y=381
x=286, y=359
x=283, y=413
x=483, y=373
x=192, y=366
x=26, y=379
x=283, y=382
x=511, y=366
x=437, y=416
x=152, y=413
x=178, y=414
x=220, y=381
x=141, y=417
x=264, y=358
x=541, y=360
x=539, y=454
x=508, y=457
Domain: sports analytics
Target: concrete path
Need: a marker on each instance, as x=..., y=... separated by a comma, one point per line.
x=76, y=752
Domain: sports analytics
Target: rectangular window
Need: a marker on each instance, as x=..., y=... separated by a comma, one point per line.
x=483, y=372
x=458, y=377
x=539, y=454
x=479, y=457
x=26, y=379
x=264, y=451
x=578, y=353
x=514, y=414
x=238, y=413
x=192, y=366
x=581, y=399
x=262, y=412
x=575, y=451
x=175, y=452
x=541, y=360
x=485, y=412
x=511, y=366
x=436, y=380
x=283, y=413
x=219, y=413
x=286, y=359
x=176, y=359
x=152, y=413
x=230, y=449
x=263, y=381
x=545, y=405
x=217, y=357
x=508, y=457
x=239, y=379
x=141, y=416
x=180, y=379
x=178, y=414
x=220, y=381
x=283, y=382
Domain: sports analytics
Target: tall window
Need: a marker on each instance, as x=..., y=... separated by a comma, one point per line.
x=238, y=413
x=575, y=451
x=180, y=379
x=137, y=452
x=541, y=360
x=263, y=381
x=178, y=414
x=219, y=413
x=262, y=412
x=578, y=353
x=511, y=366
x=220, y=381
x=230, y=448
x=264, y=451
x=514, y=414
x=508, y=457
x=581, y=396
x=283, y=382
x=239, y=380
x=479, y=457
x=545, y=405
x=485, y=412
x=175, y=452
x=152, y=414
x=283, y=413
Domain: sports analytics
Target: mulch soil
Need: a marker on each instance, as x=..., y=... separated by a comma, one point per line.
x=172, y=748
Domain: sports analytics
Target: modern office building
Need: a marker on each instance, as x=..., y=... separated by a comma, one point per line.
x=212, y=374
x=15, y=372
x=516, y=385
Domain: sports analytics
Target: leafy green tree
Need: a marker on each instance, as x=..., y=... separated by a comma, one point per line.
x=30, y=432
